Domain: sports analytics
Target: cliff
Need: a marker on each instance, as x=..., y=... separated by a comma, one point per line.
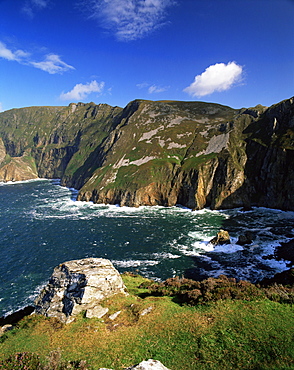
x=156, y=153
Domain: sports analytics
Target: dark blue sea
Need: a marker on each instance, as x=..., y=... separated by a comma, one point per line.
x=42, y=225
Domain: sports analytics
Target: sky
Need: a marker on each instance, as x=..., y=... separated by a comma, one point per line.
x=238, y=53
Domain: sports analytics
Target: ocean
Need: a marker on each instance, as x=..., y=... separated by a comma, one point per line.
x=42, y=225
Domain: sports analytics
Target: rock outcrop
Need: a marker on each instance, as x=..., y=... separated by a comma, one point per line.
x=221, y=238
x=157, y=153
x=246, y=238
x=78, y=286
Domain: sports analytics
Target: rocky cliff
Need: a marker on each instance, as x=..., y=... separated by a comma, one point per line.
x=156, y=153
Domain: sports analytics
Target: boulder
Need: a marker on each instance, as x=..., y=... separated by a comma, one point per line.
x=77, y=286
x=97, y=311
x=245, y=238
x=222, y=237
x=5, y=328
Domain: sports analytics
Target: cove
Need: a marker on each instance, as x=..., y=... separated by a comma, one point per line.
x=42, y=225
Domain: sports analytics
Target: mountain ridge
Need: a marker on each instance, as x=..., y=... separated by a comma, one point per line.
x=156, y=152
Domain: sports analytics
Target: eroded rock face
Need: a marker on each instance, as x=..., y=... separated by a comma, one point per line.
x=157, y=153
x=77, y=286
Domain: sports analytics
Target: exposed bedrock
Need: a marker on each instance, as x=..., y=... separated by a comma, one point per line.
x=77, y=286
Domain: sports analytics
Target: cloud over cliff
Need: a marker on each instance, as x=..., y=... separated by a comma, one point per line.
x=81, y=91
x=217, y=77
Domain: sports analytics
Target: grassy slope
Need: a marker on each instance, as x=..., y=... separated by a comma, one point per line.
x=178, y=129
x=222, y=335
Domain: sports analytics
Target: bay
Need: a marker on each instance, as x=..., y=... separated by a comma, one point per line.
x=42, y=225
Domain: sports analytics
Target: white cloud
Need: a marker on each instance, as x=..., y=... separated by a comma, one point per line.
x=8, y=54
x=143, y=85
x=217, y=77
x=31, y=6
x=1, y=107
x=130, y=19
x=156, y=89
x=152, y=89
x=52, y=64
x=80, y=91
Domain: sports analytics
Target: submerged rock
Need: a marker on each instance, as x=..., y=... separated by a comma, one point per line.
x=245, y=238
x=77, y=286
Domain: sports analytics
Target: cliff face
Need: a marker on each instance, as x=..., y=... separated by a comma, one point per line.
x=158, y=153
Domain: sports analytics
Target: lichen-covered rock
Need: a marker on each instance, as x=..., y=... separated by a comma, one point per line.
x=77, y=286
x=97, y=311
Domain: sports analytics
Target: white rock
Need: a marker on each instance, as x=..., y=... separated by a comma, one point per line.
x=5, y=328
x=77, y=286
x=97, y=311
x=148, y=365
x=145, y=365
x=114, y=315
x=146, y=311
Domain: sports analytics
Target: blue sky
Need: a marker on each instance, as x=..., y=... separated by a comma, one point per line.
x=233, y=52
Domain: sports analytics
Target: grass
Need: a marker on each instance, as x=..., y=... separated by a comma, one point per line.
x=226, y=334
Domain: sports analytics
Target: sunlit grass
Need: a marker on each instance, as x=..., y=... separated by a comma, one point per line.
x=221, y=335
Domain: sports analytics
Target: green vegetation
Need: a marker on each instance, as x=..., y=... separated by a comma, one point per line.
x=6, y=160
x=195, y=162
x=246, y=332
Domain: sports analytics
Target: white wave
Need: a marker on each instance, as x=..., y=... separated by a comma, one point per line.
x=278, y=266
x=200, y=235
x=228, y=248
x=134, y=263
x=206, y=246
x=22, y=182
x=28, y=301
x=165, y=255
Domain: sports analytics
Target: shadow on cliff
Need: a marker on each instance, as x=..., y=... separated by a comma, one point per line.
x=268, y=171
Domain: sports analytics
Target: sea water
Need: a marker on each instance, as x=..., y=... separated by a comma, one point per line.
x=42, y=225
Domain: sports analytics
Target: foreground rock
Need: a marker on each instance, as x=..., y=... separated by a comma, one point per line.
x=77, y=286
x=146, y=365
